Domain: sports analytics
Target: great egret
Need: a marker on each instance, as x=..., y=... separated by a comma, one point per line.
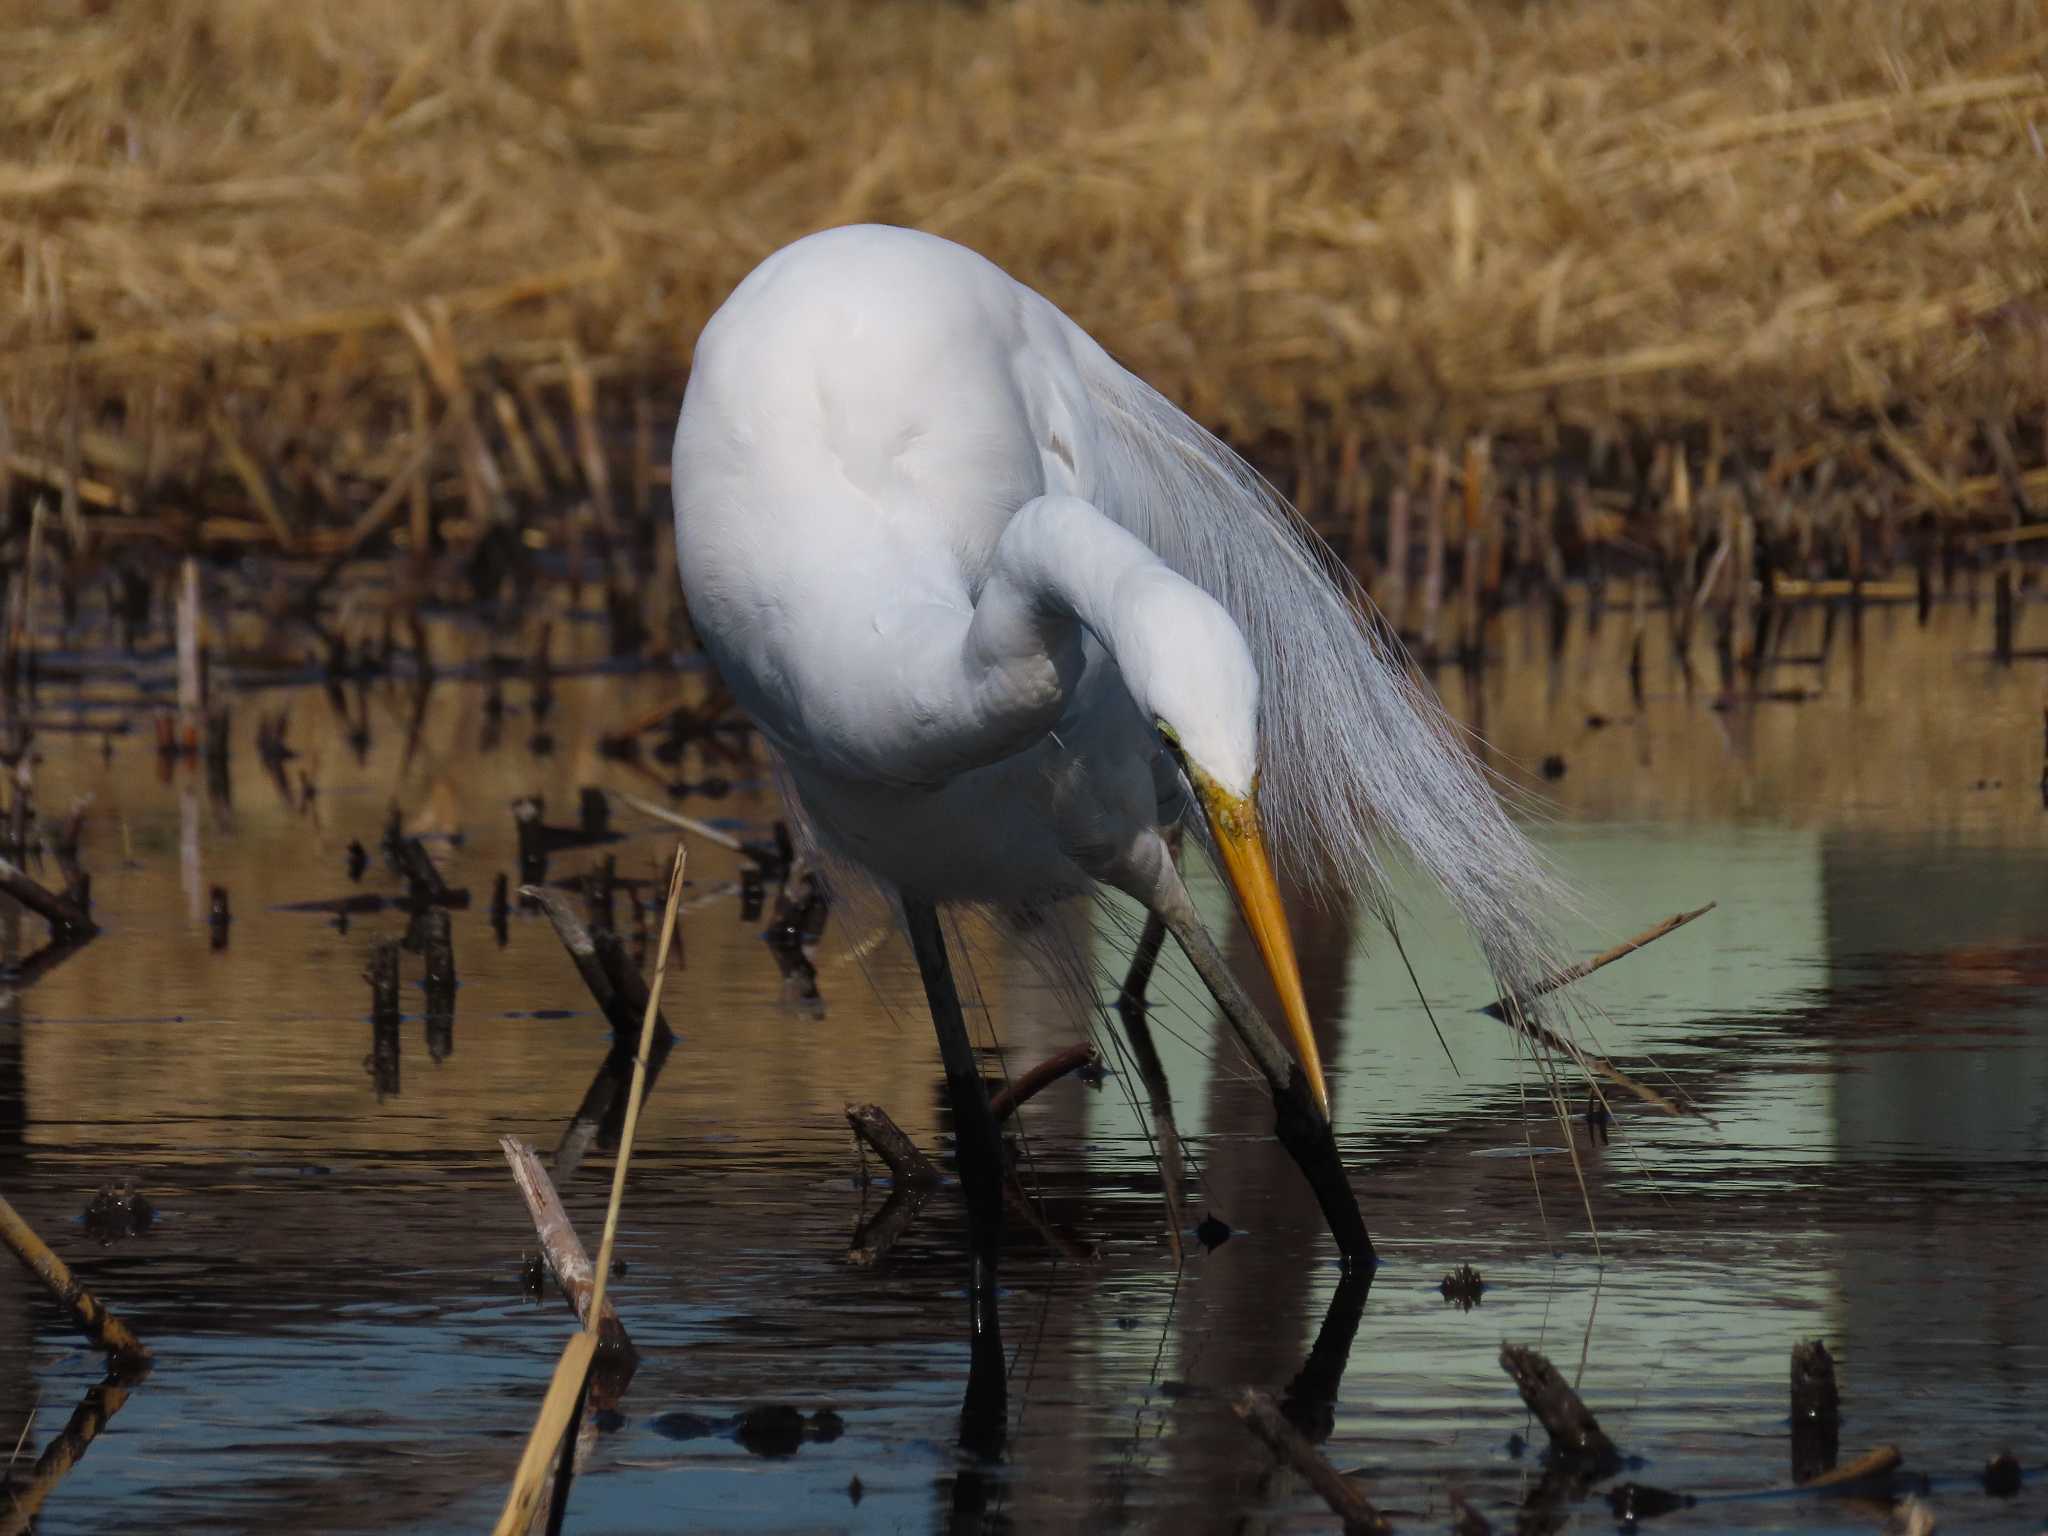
x=1003, y=610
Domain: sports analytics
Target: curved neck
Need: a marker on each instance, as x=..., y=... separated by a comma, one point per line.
x=1060, y=566
x=972, y=688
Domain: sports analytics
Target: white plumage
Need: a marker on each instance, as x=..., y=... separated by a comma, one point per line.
x=1006, y=612
x=887, y=478
x=867, y=416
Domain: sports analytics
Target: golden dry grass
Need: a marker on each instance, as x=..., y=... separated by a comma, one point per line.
x=1437, y=219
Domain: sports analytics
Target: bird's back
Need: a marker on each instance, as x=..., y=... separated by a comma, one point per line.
x=865, y=415
x=877, y=389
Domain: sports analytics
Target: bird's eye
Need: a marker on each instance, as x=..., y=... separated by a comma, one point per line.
x=1171, y=737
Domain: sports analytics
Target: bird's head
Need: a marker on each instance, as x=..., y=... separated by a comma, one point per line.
x=1195, y=676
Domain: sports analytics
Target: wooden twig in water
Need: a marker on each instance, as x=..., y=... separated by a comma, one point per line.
x=1513, y=1011
x=558, y=1240
x=702, y=829
x=1816, y=1411
x=1345, y=1498
x=917, y=1176
x=871, y=1123
x=95, y=1321
x=423, y=877
x=600, y=961
x=1006, y=1100
x=1507, y=1007
x=1870, y=1465
x=874, y=1239
x=1573, y=1430
x=1868, y=1476
x=564, y=1403
x=68, y=921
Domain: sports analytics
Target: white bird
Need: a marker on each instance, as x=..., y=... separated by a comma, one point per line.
x=1003, y=611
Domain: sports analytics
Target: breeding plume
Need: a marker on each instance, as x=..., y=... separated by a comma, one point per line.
x=1006, y=613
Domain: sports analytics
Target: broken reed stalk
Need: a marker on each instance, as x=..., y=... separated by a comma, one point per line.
x=1573, y=1430
x=702, y=829
x=105, y=1330
x=582, y=947
x=68, y=921
x=564, y=1401
x=1346, y=1499
x=191, y=680
x=1877, y=1463
x=648, y=719
x=873, y=1241
x=600, y=961
x=871, y=1123
x=422, y=876
x=1513, y=1011
x=565, y=1252
x=1519, y=1002
x=917, y=1176
x=1005, y=1101
x=1816, y=1411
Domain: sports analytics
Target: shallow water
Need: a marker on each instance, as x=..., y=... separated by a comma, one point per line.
x=332, y=1284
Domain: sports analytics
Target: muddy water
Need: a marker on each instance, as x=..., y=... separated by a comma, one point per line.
x=332, y=1283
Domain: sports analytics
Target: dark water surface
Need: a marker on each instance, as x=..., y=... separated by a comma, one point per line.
x=332, y=1286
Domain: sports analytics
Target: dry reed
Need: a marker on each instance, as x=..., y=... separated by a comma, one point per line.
x=233, y=233
x=563, y=1404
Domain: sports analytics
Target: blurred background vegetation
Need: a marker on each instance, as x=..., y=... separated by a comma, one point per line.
x=1749, y=224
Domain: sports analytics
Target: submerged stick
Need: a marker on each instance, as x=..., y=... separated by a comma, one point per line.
x=67, y=919
x=872, y=1241
x=1573, y=1430
x=422, y=875
x=558, y=1240
x=871, y=1123
x=613, y=984
x=1346, y=1500
x=1005, y=1101
x=95, y=1321
x=1816, y=1411
x=917, y=1176
x=1871, y=1464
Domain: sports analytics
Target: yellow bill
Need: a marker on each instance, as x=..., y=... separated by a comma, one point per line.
x=1234, y=820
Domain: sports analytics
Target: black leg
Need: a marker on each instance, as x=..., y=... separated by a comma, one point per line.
x=980, y=1151
x=1130, y=1011
x=1302, y=1128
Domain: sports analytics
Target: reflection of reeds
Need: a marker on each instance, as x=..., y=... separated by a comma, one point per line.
x=102, y=1400
x=244, y=236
